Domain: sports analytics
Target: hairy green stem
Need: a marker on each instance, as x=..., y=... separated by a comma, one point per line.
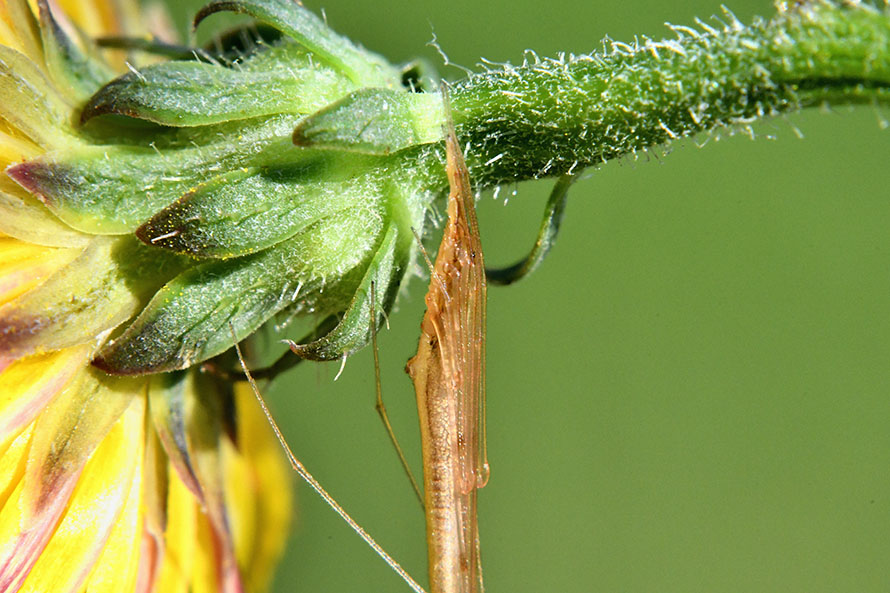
x=553, y=116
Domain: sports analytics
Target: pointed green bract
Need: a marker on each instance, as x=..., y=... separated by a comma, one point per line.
x=251, y=209
x=113, y=189
x=197, y=93
x=550, y=223
x=289, y=17
x=352, y=332
x=374, y=121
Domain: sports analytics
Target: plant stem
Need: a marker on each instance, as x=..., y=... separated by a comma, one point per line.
x=553, y=116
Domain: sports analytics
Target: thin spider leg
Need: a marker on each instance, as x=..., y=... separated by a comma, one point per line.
x=381, y=407
x=315, y=485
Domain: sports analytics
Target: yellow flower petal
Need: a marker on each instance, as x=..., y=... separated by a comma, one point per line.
x=106, y=17
x=150, y=551
x=205, y=571
x=187, y=415
x=116, y=571
x=31, y=101
x=24, y=265
x=65, y=436
x=13, y=460
x=95, y=18
x=241, y=500
x=10, y=538
x=154, y=513
x=100, y=289
x=94, y=509
x=15, y=148
x=27, y=219
x=204, y=434
x=7, y=35
x=29, y=384
x=20, y=30
x=259, y=492
x=180, y=538
x=167, y=407
x=71, y=428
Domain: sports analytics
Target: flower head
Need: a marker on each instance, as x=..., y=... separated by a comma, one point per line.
x=153, y=212
x=164, y=482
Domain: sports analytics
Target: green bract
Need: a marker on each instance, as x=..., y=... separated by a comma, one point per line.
x=197, y=159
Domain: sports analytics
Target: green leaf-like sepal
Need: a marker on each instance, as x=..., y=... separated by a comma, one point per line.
x=114, y=189
x=292, y=19
x=251, y=209
x=374, y=121
x=196, y=94
x=352, y=332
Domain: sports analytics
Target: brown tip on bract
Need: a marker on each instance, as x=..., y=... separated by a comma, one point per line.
x=92, y=110
x=113, y=365
x=28, y=175
x=299, y=137
x=145, y=233
x=158, y=232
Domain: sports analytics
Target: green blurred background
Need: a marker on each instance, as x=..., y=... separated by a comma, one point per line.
x=691, y=395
